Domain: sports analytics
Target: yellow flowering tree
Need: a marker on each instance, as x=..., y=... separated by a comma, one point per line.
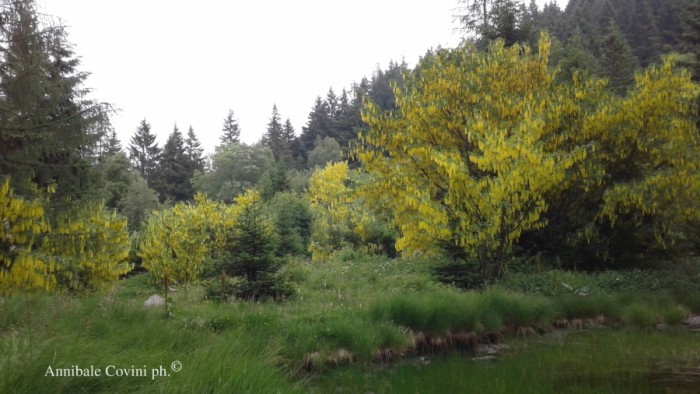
x=471, y=153
x=342, y=216
x=487, y=147
x=90, y=246
x=177, y=241
x=21, y=224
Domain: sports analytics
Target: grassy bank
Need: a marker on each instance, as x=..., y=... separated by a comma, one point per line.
x=355, y=310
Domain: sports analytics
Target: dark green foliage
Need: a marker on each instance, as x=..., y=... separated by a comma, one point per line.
x=175, y=170
x=231, y=131
x=277, y=138
x=326, y=150
x=250, y=255
x=49, y=132
x=117, y=174
x=194, y=153
x=576, y=58
x=273, y=181
x=145, y=153
x=137, y=202
x=110, y=144
x=235, y=168
x=292, y=219
x=618, y=63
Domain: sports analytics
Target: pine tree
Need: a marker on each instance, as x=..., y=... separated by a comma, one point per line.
x=145, y=153
x=618, y=63
x=232, y=133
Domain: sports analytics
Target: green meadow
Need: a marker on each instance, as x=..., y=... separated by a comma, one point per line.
x=362, y=324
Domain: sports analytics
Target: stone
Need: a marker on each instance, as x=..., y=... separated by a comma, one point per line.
x=154, y=300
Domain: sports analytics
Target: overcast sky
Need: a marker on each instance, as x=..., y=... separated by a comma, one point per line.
x=189, y=62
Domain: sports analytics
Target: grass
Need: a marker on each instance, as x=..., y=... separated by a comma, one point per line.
x=607, y=361
x=344, y=309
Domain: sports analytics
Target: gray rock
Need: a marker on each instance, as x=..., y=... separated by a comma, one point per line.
x=693, y=323
x=154, y=300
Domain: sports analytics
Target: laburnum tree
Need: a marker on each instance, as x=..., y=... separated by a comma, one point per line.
x=176, y=241
x=22, y=224
x=487, y=147
x=90, y=246
x=343, y=217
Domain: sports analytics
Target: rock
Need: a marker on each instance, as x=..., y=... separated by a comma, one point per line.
x=693, y=323
x=154, y=300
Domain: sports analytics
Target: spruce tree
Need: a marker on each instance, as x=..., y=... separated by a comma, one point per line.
x=49, y=129
x=318, y=125
x=112, y=145
x=145, y=153
x=194, y=153
x=231, y=131
x=618, y=63
x=175, y=179
x=274, y=136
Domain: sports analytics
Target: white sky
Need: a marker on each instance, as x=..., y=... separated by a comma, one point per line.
x=188, y=62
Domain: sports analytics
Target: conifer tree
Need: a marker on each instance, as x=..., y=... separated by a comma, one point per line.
x=144, y=152
x=49, y=129
x=112, y=145
x=175, y=180
x=274, y=137
x=231, y=131
x=194, y=153
x=618, y=63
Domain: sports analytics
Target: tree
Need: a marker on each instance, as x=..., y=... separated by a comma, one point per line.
x=275, y=138
x=138, y=202
x=22, y=224
x=194, y=154
x=326, y=150
x=618, y=63
x=291, y=217
x=111, y=143
x=508, y=21
x=318, y=125
x=144, y=152
x=235, y=168
x=478, y=176
x=488, y=149
x=49, y=129
x=174, y=170
x=250, y=252
x=176, y=241
x=117, y=174
x=474, y=16
x=231, y=131
x=90, y=245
